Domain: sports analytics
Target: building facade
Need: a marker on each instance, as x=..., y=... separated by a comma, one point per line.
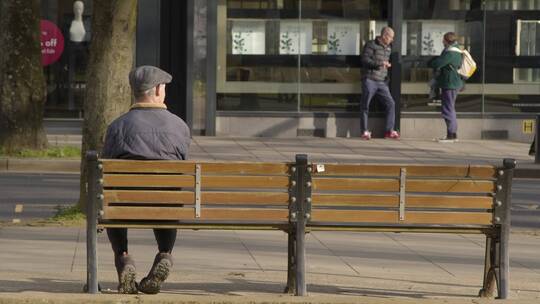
x=288, y=68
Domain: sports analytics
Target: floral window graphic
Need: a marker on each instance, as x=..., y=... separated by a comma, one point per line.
x=343, y=38
x=295, y=37
x=248, y=38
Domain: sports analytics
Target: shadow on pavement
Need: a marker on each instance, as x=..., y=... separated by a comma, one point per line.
x=234, y=286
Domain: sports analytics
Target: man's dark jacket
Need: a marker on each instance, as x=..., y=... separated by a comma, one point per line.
x=147, y=131
x=373, y=55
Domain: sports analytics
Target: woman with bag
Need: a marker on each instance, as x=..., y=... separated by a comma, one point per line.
x=450, y=83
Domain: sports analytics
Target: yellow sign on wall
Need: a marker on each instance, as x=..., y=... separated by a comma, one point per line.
x=528, y=126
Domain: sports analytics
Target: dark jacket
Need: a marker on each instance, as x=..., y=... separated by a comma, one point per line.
x=372, y=59
x=147, y=132
x=446, y=66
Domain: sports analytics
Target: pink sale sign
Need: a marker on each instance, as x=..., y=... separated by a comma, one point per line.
x=52, y=43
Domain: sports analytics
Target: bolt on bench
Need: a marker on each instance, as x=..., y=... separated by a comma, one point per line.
x=301, y=197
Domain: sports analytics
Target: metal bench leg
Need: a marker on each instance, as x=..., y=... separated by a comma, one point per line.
x=504, y=264
x=300, y=259
x=488, y=288
x=291, y=262
x=504, y=193
x=91, y=225
x=301, y=202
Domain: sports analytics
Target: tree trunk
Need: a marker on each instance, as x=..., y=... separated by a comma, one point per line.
x=111, y=58
x=22, y=82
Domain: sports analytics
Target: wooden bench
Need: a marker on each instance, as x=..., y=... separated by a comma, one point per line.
x=299, y=197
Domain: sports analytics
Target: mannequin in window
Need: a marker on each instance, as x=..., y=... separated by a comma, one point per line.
x=78, y=31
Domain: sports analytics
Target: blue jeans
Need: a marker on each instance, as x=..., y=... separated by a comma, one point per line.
x=371, y=88
x=448, y=109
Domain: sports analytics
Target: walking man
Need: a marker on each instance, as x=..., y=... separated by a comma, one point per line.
x=449, y=81
x=375, y=62
x=148, y=131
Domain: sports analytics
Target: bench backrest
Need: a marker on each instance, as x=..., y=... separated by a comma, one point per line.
x=194, y=192
x=410, y=196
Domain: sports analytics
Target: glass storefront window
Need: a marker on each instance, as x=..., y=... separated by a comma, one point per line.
x=512, y=56
x=513, y=5
x=66, y=78
x=199, y=65
x=298, y=55
x=424, y=25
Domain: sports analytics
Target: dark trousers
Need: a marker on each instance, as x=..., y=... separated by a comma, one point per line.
x=118, y=237
x=448, y=110
x=371, y=88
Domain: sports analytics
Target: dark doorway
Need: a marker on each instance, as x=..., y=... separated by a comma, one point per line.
x=173, y=53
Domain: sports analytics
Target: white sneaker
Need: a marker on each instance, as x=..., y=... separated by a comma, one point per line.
x=446, y=140
x=366, y=135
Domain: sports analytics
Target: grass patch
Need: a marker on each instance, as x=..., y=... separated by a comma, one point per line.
x=53, y=152
x=68, y=215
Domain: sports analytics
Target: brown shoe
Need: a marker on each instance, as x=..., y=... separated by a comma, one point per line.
x=151, y=284
x=127, y=282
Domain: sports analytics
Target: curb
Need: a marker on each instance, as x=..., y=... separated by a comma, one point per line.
x=40, y=165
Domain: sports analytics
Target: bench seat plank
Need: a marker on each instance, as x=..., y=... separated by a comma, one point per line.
x=231, y=181
x=188, y=167
x=391, y=217
x=188, y=197
x=412, y=185
x=392, y=200
x=147, y=166
x=148, y=196
x=478, y=171
x=168, y=213
x=450, y=186
x=351, y=184
x=151, y=181
x=240, y=168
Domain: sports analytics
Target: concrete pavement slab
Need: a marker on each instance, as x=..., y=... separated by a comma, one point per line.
x=51, y=260
x=350, y=150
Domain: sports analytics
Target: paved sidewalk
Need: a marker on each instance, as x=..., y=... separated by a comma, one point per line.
x=50, y=262
x=346, y=267
x=343, y=150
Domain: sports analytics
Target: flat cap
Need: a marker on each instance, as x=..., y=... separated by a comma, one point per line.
x=146, y=77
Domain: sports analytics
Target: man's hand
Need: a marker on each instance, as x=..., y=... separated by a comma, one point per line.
x=386, y=64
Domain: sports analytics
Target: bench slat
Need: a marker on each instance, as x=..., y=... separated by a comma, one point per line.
x=147, y=196
x=392, y=185
x=245, y=168
x=227, y=181
x=364, y=184
x=168, y=213
x=188, y=197
x=188, y=167
x=147, y=166
x=443, y=201
x=417, y=201
x=451, y=186
x=252, y=198
x=319, y=199
x=481, y=172
x=154, y=181
x=411, y=217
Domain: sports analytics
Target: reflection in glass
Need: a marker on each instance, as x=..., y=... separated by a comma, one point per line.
x=528, y=38
x=288, y=47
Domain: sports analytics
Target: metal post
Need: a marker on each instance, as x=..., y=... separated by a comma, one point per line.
x=211, y=66
x=291, y=262
x=504, y=257
x=91, y=222
x=395, y=20
x=291, y=231
x=536, y=143
x=301, y=168
x=488, y=287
